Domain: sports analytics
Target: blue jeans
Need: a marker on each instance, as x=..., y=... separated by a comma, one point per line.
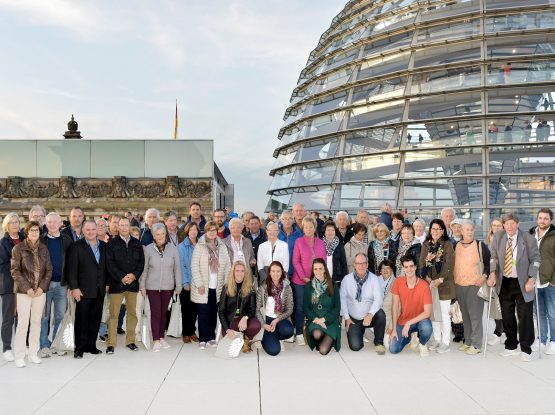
x=57, y=296
x=270, y=341
x=424, y=329
x=546, y=303
x=298, y=296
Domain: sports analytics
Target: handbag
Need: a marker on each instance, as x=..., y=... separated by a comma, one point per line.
x=65, y=337
x=174, y=326
x=495, y=306
x=436, y=306
x=455, y=313
x=230, y=348
x=106, y=310
x=146, y=330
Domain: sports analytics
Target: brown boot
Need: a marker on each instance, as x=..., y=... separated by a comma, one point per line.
x=186, y=339
x=246, y=345
x=194, y=338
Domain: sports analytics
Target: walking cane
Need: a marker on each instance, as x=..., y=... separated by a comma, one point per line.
x=487, y=322
x=538, y=318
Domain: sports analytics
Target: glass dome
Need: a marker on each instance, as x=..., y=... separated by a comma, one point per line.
x=424, y=104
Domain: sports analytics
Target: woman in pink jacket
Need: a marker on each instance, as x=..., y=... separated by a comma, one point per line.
x=307, y=248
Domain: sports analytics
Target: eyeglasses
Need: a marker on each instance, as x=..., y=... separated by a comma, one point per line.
x=212, y=230
x=361, y=263
x=436, y=229
x=34, y=230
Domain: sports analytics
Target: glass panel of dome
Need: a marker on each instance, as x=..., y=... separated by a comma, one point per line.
x=383, y=65
x=284, y=159
x=368, y=195
x=333, y=80
x=444, y=192
x=342, y=58
x=370, y=141
x=449, y=31
x=520, y=21
x=376, y=114
x=444, y=133
x=388, y=43
x=524, y=128
x=319, y=150
x=528, y=191
x=277, y=203
x=446, y=54
x=445, y=105
x=317, y=199
x=517, y=160
x=377, y=91
x=521, y=45
x=281, y=179
x=312, y=174
x=326, y=124
x=326, y=103
x=500, y=73
x=507, y=4
x=390, y=23
x=449, y=162
x=532, y=99
x=385, y=166
x=446, y=79
x=449, y=9
x=317, y=70
x=345, y=40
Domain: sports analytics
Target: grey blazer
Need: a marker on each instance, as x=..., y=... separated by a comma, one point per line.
x=527, y=261
x=248, y=251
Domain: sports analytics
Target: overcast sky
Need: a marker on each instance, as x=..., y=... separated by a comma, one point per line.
x=119, y=66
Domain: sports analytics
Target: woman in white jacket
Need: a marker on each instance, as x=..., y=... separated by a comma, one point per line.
x=210, y=266
x=272, y=250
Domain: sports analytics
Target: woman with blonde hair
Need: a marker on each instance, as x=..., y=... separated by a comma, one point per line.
x=237, y=307
x=380, y=249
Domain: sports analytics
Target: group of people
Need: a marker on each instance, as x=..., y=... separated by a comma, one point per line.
x=295, y=279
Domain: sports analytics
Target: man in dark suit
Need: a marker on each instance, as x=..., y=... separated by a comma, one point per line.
x=514, y=264
x=75, y=228
x=86, y=276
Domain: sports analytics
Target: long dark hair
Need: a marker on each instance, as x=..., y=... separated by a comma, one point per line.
x=269, y=281
x=441, y=224
x=327, y=275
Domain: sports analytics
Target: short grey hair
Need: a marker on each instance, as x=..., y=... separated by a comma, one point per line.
x=37, y=207
x=468, y=222
x=286, y=212
x=157, y=227
x=153, y=210
x=448, y=209
x=341, y=213
x=272, y=224
x=237, y=220
x=420, y=221
x=55, y=215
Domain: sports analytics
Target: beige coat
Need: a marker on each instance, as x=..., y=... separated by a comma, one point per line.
x=200, y=269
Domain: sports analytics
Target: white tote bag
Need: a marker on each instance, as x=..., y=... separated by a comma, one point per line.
x=174, y=327
x=230, y=348
x=65, y=337
x=146, y=330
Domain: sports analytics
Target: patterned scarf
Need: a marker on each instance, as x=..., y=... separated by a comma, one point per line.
x=276, y=294
x=380, y=248
x=360, y=282
x=403, y=248
x=319, y=289
x=330, y=246
x=213, y=255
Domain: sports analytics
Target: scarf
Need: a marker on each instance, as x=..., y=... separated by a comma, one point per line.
x=319, y=289
x=360, y=282
x=330, y=246
x=380, y=249
x=403, y=249
x=276, y=294
x=437, y=262
x=213, y=256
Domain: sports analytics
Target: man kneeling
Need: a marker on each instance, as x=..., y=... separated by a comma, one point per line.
x=411, y=310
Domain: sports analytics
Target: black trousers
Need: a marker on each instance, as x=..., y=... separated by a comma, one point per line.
x=8, y=319
x=88, y=313
x=511, y=298
x=356, y=331
x=188, y=314
x=208, y=317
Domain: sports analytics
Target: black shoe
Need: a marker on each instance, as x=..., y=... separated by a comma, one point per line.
x=77, y=354
x=110, y=350
x=94, y=350
x=458, y=339
x=121, y=331
x=132, y=346
x=103, y=338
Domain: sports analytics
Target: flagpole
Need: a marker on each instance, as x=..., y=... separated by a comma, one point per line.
x=176, y=122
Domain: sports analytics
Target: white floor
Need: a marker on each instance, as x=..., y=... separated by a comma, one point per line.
x=184, y=379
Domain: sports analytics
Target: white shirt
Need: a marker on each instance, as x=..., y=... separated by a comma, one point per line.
x=213, y=280
x=329, y=263
x=280, y=253
x=271, y=307
x=515, y=249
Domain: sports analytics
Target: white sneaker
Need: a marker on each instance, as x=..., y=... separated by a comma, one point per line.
x=550, y=349
x=432, y=345
x=507, y=353
x=8, y=356
x=414, y=342
x=59, y=352
x=525, y=357
x=444, y=348
x=536, y=345
x=290, y=339
x=423, y=350
x=45, y=353
x=494, y=340
x=20, y=363
x=156, y=347
x=299, y=339
x=281, y=345
x=164, y=344
x=35, y=359
x=212, y=343
x=202, y=345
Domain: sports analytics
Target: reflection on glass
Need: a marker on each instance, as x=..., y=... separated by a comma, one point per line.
x=281, y=180
x=508, y=160
x=385, y=166
x=520, y=21
x=317, y=173
x=377, y=91
x=318, y=199
x=466, y=29
x=441, y=106
x=388, y=44
x=376, y=114
x=458, y=52
x=386, y=64
x=524, y=45
x=450, y=162
x=520, y=72
x=533, y=99
x=527, y=191
x=518, y=129
x=368, y=195
x=446, y=79
x=370, y=141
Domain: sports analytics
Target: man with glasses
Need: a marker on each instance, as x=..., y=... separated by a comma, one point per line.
x=219, y=216
x=361, y=303
x=38, y=214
